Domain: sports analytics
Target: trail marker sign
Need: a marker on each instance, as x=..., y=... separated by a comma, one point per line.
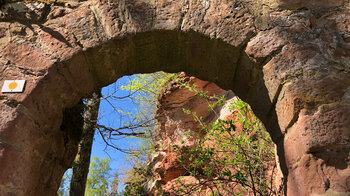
x=13, y=86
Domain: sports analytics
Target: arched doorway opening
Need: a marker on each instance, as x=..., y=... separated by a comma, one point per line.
x=170, y=51
x=297, y=83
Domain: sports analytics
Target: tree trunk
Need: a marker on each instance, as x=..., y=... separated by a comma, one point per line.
x=82, y=160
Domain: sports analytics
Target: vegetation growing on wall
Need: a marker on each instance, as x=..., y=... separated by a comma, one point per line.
x=147, y=88
x=232, y=157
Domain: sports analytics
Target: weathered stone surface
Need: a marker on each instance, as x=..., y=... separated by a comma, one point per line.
x=175, y=128
x=25, y=56
x=295, y=4
x=291, y=65
x=24, y=12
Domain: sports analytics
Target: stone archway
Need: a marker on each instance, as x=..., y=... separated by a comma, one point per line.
x=290, y=65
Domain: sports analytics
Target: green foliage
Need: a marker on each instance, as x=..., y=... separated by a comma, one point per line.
x=136, y=181
x=145, y=90
x=63, y=189
x=227, y=159
x=97, y=181
x=235, y=164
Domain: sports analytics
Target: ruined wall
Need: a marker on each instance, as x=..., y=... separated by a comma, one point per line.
x=288, y=59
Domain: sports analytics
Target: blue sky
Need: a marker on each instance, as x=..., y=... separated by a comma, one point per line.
x=110, y=115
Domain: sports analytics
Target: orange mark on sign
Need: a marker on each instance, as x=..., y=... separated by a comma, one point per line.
x=13, y=85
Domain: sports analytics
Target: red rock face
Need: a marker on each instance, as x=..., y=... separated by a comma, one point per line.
x=290, y=65
x=175, y=128
x=173, y=124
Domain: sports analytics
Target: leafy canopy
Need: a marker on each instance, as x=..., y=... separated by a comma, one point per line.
x=99, y=181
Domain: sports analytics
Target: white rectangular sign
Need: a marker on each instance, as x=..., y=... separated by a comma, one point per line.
x=13, y=86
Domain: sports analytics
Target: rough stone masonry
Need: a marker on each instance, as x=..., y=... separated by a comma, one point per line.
x=289, y=59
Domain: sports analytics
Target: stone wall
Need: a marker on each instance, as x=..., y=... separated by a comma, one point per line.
x=288, y=59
